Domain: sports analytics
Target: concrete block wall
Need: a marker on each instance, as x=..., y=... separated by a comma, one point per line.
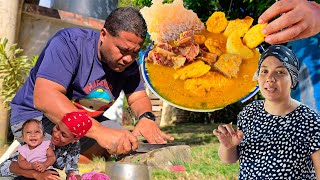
x=39, y=24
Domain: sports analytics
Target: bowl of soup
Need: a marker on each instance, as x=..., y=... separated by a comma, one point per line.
x=210, y=92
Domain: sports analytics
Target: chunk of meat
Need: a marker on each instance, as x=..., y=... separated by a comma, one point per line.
x=186, y=34
x=161, y=54
x=178, y=61
x=185, y=39
x=165, y=46
x=190, y=51
x=158, y=58
x=208, y=58
x=229, y=64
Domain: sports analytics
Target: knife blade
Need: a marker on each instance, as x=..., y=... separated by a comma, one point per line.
x=146, y=147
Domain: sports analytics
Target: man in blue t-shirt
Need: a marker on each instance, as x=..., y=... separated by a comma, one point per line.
x=84, y=70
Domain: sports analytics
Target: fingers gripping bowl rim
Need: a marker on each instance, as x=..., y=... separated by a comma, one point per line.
x=146, y=78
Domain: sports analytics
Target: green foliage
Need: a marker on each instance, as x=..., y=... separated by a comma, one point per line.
x=124, y=3
x=136, y=160
x=146, y=42
x=203, y=9
x=14, y=69
x=225, y=115
x=142, y=3
x=232, y=8
x=228, y=114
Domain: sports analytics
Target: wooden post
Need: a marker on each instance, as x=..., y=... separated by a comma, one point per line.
x=10, y=15
x=166, y=116
x=4, y=121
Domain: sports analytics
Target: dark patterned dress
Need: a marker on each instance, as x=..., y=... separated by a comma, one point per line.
x=278, y=147
x=66, y=157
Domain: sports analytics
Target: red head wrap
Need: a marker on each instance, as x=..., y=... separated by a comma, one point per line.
x=79, y=123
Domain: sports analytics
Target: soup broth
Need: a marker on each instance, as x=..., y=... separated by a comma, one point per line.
x=220, y=95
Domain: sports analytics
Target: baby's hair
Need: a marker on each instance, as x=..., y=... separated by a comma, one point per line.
x=29, y=121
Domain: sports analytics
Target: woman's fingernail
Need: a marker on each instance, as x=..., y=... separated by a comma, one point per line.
x=260, y=21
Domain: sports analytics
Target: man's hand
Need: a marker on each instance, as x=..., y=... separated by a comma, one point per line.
x=47, y=175
x=34, y=165
x=299, y=19
x=151, y=132
x=39, y=166
x=116, y=141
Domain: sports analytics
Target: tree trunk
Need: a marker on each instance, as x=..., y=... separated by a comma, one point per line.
x=10, y=15
x=167, y=115
x=4, y=120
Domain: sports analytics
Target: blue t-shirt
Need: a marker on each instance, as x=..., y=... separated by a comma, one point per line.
x=278, y=147
x=71, y=59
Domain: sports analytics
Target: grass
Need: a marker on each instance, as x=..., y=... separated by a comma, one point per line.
x=205, y=163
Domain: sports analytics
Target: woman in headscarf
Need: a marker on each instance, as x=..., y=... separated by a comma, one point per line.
x=278, y=137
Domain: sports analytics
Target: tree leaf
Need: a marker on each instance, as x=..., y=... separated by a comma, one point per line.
x=14, y=69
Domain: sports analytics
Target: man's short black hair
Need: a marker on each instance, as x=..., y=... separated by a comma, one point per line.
x=127, y=19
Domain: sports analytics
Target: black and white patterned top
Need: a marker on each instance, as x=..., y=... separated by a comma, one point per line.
x=277, y=147
x=68, y=157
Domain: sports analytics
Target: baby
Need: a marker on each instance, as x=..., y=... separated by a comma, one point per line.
x=63, y=153
x=36, y=154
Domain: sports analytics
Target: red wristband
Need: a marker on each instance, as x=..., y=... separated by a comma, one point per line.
x=79, y=123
